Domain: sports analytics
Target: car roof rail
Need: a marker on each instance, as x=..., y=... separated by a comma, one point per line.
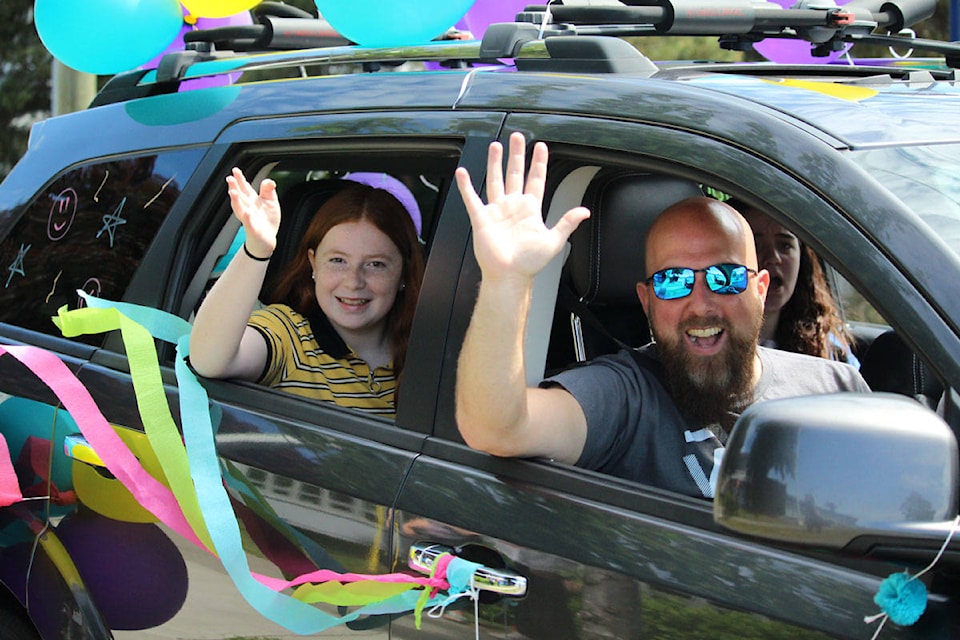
x=580, y=54
x=573, y=37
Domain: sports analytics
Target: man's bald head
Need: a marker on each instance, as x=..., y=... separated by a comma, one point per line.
x=684, y=226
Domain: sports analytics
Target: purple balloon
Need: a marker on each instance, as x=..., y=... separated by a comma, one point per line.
x=238, y=20
x=133, y=571
x=783, y=51
x=483, y=13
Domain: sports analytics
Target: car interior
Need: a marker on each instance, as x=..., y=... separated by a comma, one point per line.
x=588, y=295
x=303, y=185
x=597, y=310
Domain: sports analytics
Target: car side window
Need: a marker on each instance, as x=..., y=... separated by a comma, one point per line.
x=860, y=335
x=303, y=185
x=597, y=309
x=88, y=230
x=306, y=183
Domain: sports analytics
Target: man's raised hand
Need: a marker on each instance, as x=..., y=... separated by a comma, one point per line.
x=510, y=238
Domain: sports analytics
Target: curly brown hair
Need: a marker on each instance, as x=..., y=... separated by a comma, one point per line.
x=379, y=207
x=810, y=321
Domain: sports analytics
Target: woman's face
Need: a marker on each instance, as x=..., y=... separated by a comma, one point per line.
x=778, y=251
x=357, y=271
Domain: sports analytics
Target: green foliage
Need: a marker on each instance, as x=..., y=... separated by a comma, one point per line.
x=24, y=79
x=669, y=617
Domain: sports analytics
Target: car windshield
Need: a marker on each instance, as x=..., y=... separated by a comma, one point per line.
x=926, y=179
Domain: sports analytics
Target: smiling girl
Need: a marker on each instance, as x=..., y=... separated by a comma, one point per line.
x=339, y=326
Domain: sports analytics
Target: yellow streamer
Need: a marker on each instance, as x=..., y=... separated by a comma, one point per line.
x=158, y=422
x=350, y=594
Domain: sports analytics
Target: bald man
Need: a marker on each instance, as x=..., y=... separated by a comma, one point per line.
x=658, y=415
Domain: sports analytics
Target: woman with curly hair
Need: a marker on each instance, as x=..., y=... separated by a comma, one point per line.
x=800, y=313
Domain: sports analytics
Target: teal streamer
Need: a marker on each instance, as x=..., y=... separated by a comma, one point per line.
x=295, y=615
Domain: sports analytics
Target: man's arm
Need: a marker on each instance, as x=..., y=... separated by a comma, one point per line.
x=496, y=411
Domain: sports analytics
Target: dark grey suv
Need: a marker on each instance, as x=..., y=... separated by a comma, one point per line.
x=820, y=499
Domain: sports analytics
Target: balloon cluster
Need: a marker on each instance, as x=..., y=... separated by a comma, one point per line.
x=104, y=37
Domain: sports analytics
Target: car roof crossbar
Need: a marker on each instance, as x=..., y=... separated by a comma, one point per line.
x=727, y=17
x=737, y=23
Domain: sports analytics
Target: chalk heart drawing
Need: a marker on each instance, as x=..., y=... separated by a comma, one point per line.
x=91, y=286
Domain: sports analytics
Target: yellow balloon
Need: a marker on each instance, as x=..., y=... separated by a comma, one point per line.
x=217, y=8
x=107, y=495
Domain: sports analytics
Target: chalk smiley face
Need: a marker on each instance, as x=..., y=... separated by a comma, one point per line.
x=62, y=212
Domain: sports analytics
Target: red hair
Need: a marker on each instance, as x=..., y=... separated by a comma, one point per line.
x=380, y=208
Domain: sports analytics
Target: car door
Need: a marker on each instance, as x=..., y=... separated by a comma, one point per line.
x=331, y=475
x=87, y=228
x=311, y=485
x=602, y=557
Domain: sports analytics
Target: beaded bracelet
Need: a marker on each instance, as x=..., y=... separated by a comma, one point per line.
x=253, y=257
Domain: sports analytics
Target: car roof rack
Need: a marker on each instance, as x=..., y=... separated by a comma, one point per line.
x=740, y=23
x=561, y=36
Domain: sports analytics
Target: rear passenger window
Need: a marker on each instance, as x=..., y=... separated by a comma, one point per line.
x=305, y=182
x=87, y=230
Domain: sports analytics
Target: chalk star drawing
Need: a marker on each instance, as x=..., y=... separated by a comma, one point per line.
x=113, y=220
x=17, y=265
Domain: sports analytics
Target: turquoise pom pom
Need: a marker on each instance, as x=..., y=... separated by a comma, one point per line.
x=902, y=597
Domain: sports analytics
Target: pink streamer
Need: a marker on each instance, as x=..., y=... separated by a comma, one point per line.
x=148, y=491
x=153, y=495
x=325, y=575
x=9, y=487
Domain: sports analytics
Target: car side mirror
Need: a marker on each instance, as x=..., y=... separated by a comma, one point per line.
x=824, y=470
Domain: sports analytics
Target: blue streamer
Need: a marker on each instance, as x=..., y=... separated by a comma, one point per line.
x=295, y=615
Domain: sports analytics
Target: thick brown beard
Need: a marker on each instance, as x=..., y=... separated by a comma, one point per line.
x=708, y=389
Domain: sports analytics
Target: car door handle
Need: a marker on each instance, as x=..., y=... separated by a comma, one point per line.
x=423, y=557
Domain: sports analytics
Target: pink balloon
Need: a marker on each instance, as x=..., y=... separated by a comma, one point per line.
x=783, y=51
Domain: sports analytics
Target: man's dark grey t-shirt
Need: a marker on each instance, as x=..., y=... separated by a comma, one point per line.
x=635, y=431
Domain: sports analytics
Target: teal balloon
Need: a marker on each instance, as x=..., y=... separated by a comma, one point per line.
x=378, y=23
x=180, y=108
x=105, y=37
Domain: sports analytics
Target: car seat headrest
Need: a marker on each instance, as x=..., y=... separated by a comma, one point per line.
x=891, y=365
x=607, y=252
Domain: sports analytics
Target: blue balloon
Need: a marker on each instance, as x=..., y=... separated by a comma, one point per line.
x=377, y=23
x=107, y=36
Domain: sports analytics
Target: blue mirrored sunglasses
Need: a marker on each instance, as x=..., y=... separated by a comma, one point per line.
x=677, y=282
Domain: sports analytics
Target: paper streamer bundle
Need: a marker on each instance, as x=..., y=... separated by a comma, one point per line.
x=196, y=504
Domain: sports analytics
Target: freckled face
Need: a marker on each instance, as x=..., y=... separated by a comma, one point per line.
x=778, y=251
x=357, y=270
